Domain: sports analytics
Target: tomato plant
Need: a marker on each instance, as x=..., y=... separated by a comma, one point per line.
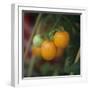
x=55, y=47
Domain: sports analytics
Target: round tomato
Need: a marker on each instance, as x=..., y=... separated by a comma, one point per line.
x=48, y=50
x=61, y=39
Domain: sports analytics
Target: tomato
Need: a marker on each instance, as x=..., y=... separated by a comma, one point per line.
x=61, y=39
x=48, y=50
x=36, y=51
x=37, y=40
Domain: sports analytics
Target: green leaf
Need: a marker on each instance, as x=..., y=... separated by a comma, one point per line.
x=75, y=68
x=46, y=69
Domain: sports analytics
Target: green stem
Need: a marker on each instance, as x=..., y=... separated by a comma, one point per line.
x=77, y=56
x=57, y=21
x=31, y=37
x=31, y=65
x=76, y=60
x=35, y=30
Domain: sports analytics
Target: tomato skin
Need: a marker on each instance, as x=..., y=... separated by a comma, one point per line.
x=48, y=50
x=37, y=40
x=61, y=39
x=36, y=51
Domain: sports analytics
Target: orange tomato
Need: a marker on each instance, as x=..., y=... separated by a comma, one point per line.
x=36, y=51
x=48, y=50
x=61, y=39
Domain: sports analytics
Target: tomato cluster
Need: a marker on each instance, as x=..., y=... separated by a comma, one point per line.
x=49, y=49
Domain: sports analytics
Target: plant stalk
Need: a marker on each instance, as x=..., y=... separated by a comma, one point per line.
x=31, y=37
x=77, y=56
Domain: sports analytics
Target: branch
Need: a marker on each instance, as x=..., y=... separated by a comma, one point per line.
x=77, y=56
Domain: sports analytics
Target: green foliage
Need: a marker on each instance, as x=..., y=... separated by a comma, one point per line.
x=46, y=69
x=72, y=68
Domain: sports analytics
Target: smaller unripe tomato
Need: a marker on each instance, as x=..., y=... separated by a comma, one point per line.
x=37, y=40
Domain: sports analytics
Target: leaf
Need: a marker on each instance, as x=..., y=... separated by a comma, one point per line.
x=75, y=68
x=46, y=69
x=67, y=65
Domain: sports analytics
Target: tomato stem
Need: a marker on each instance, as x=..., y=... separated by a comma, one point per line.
x=33, y=32
x=31, y=65
x=77, y=56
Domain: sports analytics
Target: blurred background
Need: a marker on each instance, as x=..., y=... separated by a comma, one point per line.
x=69, y=62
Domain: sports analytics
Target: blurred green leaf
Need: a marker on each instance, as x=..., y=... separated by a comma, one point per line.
x=46, y=69
x=75, y=68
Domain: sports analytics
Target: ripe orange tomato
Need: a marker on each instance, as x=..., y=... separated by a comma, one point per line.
x=48, y=50
x=61, y=39
x=36, y=51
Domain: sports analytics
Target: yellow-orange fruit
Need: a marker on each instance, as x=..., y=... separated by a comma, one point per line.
x=36, y=51
x=48, y=50
x=61, y=39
